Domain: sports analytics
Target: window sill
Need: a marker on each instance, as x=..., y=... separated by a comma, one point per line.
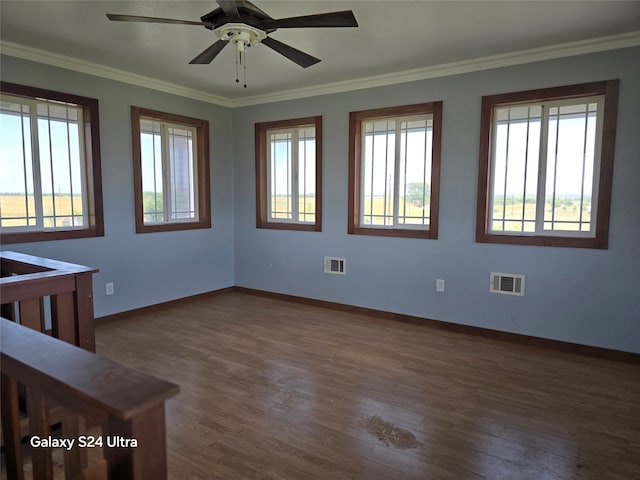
x=394, y=232
x=543, y=240
x=173, y=227
x=27, y=237
x=303, y=227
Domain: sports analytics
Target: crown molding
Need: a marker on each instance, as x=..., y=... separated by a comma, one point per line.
x=613, y=42
x=83, y=66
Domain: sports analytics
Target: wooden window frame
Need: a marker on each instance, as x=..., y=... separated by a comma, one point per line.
x=93, y=175
x=203, y=181
x=355, y=170
x=608, y=89
x=262, y=189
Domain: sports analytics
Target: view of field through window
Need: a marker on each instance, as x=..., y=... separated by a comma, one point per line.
x=41, y=168
x=41, y=165
x=168, y=172
x=292, y=174
x=544, y=159
x=397, y=171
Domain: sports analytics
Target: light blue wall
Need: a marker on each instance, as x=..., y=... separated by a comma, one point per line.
x=149, y=268
x=577, y=295
x=584, y=296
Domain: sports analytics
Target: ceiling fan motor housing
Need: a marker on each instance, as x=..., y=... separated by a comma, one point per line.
x=249, y=15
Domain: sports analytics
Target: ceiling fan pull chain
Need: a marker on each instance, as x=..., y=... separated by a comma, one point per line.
x=245, y=71
x=237, y=75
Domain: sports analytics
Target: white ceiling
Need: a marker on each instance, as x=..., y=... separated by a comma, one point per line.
x=394, y=36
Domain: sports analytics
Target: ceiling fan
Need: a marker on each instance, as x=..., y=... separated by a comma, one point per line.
x=244, y=24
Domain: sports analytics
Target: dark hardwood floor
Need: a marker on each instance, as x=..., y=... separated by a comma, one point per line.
x=277, y=390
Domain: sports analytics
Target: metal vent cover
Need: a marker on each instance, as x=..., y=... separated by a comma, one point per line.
x=335, y=265
x=507, y=283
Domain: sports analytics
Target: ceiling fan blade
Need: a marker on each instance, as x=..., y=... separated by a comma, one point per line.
x=135, y=18
x=230, y=9
x=303, y=59
x=332, y=19
x=210, y=53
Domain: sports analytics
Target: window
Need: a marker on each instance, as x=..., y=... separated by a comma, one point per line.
x=546, y=161
x=171, y=171
x=394, y=171
x=289, y=174
x=50, y=186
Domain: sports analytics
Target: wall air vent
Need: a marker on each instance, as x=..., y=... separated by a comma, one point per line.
x=335, y=265
x=507, y=284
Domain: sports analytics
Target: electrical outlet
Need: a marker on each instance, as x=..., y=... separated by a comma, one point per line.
x=109, y=288
x=439, y=285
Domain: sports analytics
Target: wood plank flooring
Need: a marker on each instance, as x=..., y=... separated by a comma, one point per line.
x=277, y=390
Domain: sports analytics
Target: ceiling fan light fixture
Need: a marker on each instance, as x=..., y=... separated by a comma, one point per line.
x=240, y=33
x=242, y=36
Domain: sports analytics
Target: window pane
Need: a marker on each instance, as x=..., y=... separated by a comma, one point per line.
x=182, y=175
x=415, y=171
x=49, y=160
x=169, y=175
x=17, y=197
x=393, y=161
x=61, y=184
x=515, y=168
x=396, y=171
x=75, y=174
x=281, y=202
x=151, y=160
x=292, y=174
x=287, y=164
x=306, y=174
x=576, y=137
x=60, y=149
x=378, y=172
x=570, y=167
x=171, y=172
